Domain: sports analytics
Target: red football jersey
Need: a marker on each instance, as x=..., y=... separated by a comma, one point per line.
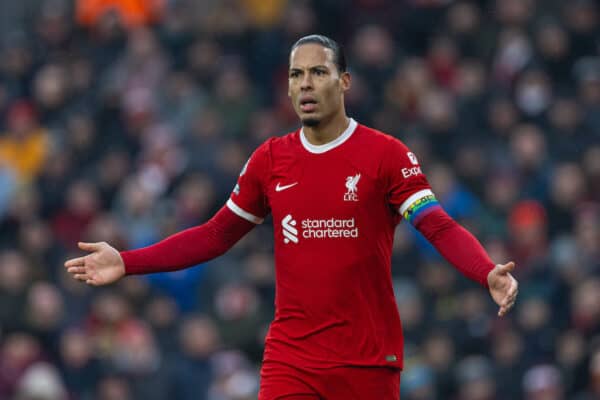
x=335, y=208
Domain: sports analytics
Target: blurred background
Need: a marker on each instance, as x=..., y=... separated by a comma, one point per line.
x=129, y=120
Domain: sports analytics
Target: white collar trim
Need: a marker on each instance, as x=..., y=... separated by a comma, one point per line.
x=322, y=148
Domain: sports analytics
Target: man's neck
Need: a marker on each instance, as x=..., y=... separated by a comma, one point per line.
x=326, y=132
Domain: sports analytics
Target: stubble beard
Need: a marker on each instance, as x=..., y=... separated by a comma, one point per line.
x=311, y=122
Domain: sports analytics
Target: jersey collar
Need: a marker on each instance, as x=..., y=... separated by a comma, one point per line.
x=322, y=148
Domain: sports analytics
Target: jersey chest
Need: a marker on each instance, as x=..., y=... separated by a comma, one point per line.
x=323, y=196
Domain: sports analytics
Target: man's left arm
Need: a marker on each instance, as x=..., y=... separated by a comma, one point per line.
x=461, y=249
x=409, y=192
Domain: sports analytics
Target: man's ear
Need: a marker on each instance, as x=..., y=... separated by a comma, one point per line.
x=346, y=80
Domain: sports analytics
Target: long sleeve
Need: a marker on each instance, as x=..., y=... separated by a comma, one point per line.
x=457, y=245
x=189, y=247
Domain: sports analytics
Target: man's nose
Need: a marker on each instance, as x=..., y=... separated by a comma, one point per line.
x=306, y=83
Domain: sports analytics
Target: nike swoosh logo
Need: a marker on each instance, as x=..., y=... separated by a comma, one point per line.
x=280, y=188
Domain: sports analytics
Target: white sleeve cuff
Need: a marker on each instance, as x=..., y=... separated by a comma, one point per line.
x=414, y=197
x=242, y=213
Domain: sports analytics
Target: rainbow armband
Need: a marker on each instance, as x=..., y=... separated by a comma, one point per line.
x=420, y=208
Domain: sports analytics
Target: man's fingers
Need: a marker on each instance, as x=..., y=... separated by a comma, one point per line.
x=503, y=310
x=512, y=291
x=75, y=262
x=508, y=267
x=510, y=300
x=89, y=246
x=506, y=306
x=81, y=277
x=76, y=270
x=511, y=297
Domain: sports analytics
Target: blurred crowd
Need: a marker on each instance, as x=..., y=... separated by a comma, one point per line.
x=128, y=120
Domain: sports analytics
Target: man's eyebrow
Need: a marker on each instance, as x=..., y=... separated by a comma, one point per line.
x=313, y=67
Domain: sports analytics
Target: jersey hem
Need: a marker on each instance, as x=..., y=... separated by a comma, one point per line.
x=293, y=359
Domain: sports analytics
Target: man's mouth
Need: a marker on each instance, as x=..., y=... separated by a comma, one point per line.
x=308, y=104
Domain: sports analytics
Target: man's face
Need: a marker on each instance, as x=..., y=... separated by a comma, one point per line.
x=315, y=85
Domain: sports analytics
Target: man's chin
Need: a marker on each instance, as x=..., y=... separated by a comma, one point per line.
x=310, y=122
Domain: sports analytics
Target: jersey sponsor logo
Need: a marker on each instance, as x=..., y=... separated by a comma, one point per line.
x=352, y=186
x=408, y=172
x=280, y=188
x=331, y=228
x=290, y=233
x=412, y=158
x=413, y=171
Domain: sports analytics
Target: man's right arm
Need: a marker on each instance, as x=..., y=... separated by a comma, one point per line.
x=106, y=265
x=189, y=247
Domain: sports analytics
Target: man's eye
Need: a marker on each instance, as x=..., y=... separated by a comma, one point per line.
x=294, y=74
x=319, y=72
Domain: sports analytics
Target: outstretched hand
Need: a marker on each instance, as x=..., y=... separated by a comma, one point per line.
x=503, y=286
x=102, y=266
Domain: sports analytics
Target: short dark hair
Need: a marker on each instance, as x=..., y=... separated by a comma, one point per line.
x=339, y=59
